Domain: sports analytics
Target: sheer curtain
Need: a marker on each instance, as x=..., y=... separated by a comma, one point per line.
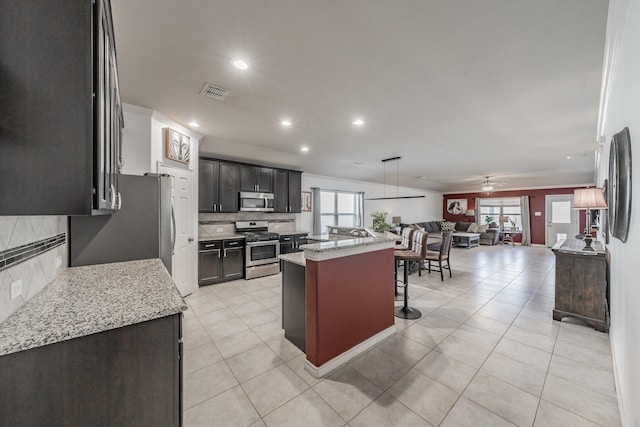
x=359, y=220
x=477, y=220
x=526, y=221
x=316, y=211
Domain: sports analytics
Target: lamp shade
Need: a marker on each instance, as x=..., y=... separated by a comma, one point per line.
x=589, y=198
x=396, y=220
x=470, y=212
x=504, y=218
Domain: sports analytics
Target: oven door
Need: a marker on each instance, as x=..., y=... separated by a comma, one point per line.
x=260, y=253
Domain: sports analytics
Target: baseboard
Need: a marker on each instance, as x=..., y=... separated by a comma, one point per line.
x=616, y=380
x=341, y=359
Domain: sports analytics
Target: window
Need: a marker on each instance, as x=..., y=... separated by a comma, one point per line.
x=492, y=209
x=340, y=208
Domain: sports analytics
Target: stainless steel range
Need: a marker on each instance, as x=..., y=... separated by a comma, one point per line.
x=262, y=249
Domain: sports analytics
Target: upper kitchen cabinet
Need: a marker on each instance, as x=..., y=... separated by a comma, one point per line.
x=256, y=179
x=218, y=186
x=60, y=115
x=287, y=191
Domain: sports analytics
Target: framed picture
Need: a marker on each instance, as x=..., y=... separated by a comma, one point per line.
x=306, y=201
x=457, y=206
x=620, y=185
x=177, y=146
x=604, y=214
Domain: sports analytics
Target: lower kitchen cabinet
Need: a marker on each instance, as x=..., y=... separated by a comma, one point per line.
x=129, y=376
x=220, y=261
x=291, y=242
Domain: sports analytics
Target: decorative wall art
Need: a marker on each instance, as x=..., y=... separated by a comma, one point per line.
x=619, y=195
x=306, y=201
x=457, y=206
x=177, y=146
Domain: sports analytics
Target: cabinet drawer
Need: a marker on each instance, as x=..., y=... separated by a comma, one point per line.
x=209, y=245
x=235, y=243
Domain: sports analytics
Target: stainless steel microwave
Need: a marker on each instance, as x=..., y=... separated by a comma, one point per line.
x=256, y=202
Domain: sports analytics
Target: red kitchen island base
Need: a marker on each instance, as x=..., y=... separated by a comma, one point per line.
x=349, y=301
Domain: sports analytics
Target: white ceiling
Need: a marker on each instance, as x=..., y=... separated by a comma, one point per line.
x=459, y=89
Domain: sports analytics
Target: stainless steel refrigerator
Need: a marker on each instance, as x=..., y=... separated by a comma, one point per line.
x=143, y=228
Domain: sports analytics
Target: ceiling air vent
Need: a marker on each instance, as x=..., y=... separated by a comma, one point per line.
x=213, y=91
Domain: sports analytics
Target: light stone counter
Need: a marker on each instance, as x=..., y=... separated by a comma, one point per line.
x=87, y=300
x=295, y=257
x=350, y=246
x=220, y=236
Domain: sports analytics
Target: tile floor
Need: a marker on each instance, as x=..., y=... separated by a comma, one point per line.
x=485, y=353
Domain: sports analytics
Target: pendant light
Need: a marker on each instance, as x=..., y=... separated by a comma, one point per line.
x=397, y=196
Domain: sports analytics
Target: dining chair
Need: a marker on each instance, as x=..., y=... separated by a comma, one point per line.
x=442, y=254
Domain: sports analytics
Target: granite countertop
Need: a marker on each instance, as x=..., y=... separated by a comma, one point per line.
x=295, y=257
x=87, y=300
x=220, y=236
x=338, y=244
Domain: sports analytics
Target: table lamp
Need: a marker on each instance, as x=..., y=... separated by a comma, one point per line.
x=588, y=198
x=503, y=219
x=396, y=220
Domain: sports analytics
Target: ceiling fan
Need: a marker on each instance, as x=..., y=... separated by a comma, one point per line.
x=489, y=185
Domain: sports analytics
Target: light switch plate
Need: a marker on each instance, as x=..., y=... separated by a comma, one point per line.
x=16, y=289
x=219, y=230
x=59, y=261
x=537, y=213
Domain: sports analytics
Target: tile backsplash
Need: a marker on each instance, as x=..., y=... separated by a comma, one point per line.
x=35, y=272
x=211, y=224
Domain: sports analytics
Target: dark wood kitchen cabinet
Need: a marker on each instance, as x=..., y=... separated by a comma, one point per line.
x=218, y=186
x=129, y=376
x=287, y=191
x=256, y=179
x=60, y=116
x=220, y=261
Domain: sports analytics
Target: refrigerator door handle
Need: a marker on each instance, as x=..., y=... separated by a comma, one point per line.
x=173, y=231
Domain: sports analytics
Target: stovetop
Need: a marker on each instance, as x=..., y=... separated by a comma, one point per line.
x=256, y=231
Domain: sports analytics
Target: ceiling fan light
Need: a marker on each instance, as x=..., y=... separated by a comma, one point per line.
x=487, y=188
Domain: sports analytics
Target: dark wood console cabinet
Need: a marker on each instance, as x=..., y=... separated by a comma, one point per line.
x=129, y=376
x=60, y=116
x=581, y=283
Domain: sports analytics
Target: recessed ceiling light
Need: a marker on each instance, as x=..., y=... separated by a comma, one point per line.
x=358, y=122
x=240, y=64
x=304, y=149
x=286, y=123
x=194, y=124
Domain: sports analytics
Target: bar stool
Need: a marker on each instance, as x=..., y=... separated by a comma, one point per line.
x=417, y=253
x=407, y=234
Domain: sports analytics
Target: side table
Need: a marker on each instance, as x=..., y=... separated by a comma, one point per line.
x=509, y=235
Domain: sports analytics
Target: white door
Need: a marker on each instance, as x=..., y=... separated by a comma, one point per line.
x=562, y=221
x=185, y=255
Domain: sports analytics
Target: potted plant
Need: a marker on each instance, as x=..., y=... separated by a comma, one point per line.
x=380, y=222
x=489, y=219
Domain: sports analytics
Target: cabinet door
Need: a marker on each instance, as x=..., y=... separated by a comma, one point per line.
x=248, y=178
x=264, y=180
x=280, y=190
x=102, y=178
x=207, y=191
x=209, y=267
x=233, y=262
x=295, y=191
x=228, y=188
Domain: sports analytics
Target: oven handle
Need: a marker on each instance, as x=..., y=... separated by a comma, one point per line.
x=264, y=243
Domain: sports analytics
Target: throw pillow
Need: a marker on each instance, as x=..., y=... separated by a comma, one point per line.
x=434, y=226
x=462, y=226
x=473, y=228
x=448, y=226
x=483, y=228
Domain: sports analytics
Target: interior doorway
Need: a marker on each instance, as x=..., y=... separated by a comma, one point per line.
x=185, y=255
x=562, y=221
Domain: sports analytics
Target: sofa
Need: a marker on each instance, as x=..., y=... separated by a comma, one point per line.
x=489, y=237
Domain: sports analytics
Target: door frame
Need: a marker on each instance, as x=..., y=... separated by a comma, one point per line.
x=193, y=250
x=547, y=215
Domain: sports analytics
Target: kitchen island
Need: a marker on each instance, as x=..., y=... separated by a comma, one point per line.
x=100, y=345
x=347, y=299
